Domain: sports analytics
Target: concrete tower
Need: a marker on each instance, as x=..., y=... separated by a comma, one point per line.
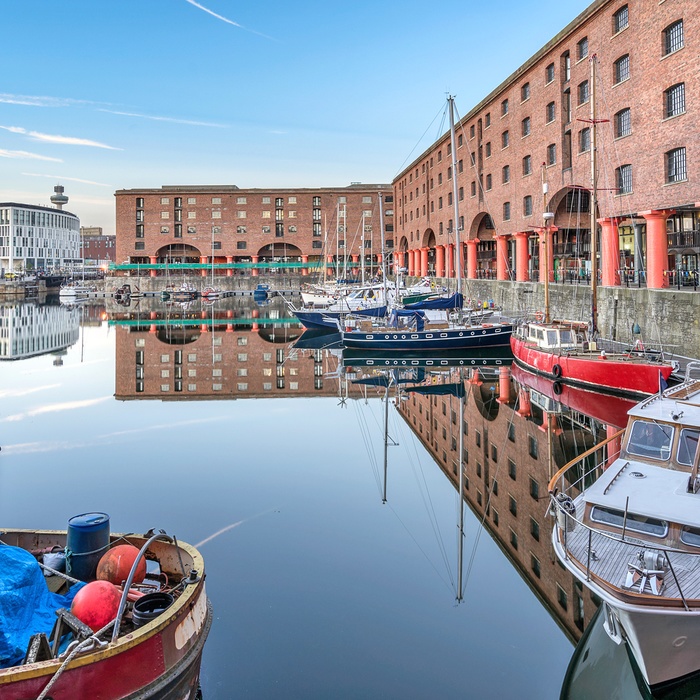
x=58, y=199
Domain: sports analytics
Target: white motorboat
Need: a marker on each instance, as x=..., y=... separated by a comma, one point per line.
x=632, y=535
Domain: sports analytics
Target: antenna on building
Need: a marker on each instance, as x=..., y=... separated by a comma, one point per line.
x=58, y=199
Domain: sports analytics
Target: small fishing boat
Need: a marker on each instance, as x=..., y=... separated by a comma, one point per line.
x=141, y=639
x=185, y=292
x=628, y=527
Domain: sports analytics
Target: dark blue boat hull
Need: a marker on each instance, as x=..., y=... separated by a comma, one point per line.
x=430, y=340
x=329, y=319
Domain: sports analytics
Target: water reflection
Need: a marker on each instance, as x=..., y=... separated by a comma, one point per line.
x=28, y=329
x=306, y=460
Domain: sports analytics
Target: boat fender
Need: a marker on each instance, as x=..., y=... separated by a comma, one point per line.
x=557, y=388
x=556, y=371
x=566, y=512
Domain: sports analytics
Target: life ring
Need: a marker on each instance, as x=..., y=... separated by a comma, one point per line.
x=539, y=316
x=556, y=388
x=556, y=371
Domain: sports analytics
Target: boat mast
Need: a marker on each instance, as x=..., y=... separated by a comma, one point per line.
x=381, y=229
x=544, y=265
x=594, y=206
x=455, y=201
x=386, y=436
x=362, y=249
x=460, y=462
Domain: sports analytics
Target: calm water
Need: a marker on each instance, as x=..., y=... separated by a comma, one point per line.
x=319, y=589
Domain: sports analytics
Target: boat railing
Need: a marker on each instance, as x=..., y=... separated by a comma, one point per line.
x=653, y=559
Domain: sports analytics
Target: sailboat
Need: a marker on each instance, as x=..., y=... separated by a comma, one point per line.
x=411, y=330
x=568, y=351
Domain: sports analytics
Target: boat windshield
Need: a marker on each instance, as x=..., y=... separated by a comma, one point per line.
x=567, y=337
x=687, y=446
x=649, y=439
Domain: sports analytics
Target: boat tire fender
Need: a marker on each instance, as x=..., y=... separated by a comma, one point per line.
x=556, y=371
x=557, y=388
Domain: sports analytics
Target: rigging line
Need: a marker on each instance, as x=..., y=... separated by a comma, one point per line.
x=440, y=111
x=429, y=510
x=448, y=584
x=364, y=433
x=489, y=493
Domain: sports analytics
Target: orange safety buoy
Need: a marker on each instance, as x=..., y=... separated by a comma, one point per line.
x=96, y=604
x=539, y=316
x=116, y=564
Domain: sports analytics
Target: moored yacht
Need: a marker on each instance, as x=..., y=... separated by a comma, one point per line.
x=632, y=535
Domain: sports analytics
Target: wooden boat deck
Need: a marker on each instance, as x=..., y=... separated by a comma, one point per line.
x=610, y=559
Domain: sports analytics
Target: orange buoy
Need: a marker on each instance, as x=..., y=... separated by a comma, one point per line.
x=116, y=564
x=96, y=604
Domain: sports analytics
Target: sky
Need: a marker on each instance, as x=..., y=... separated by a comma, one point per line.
x=99, y=96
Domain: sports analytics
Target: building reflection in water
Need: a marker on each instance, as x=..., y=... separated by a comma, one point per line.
x=28, y=329
x=223, y=351
x=515, y=437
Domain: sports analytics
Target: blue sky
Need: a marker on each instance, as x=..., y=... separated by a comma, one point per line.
x=99, y=96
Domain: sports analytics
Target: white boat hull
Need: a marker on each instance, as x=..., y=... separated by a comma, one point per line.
x=663, y=641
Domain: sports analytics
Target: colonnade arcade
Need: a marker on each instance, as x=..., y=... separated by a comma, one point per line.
x=652, y=247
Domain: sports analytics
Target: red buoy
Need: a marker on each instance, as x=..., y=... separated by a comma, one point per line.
x=96, y=604
x=116, y=564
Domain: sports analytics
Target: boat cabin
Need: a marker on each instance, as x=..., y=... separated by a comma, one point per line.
x=551, y=337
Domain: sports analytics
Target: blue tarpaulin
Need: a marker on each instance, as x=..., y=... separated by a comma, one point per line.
x=26, y=604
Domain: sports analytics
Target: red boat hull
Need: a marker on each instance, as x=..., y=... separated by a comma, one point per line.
x=605, y=408
x=617, y=374
x=159, y=660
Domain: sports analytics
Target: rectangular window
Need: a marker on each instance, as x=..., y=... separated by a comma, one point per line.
x=216, y=215
x=525, y=92
x=535, y=529
x=241, y=229
x=532, y=447
x=506, y=174
x=506, y=211
x=676, y=165
x=526, y=126
x=584, y=140
x=505, y=139
x=513, y=539
x=534, y=489
x=674, y=100
x=239, y=215
x=621, y=19
x=622, y=69
x=535, y=565
x=216, y=200
x=673, y=37
x=504, y=108
x=192, y=200
x=551, y=112
x=165, y=200
x=582, y=48
x=139, y=202
x=241, y=245
x=549, y=73
x=241, y=200
x=527, y=205
x=165, y=215
x=623, y=179
x=551, y=154
x=583, y=93
x=488, y=182
x=527, y=165
x=513, y=506
x=623, y=123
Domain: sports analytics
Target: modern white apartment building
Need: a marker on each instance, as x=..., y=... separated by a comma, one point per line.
x=37, y=238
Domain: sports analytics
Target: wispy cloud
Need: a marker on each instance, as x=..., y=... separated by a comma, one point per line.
x=56, y=138
x=40, y=100
x=225, y=19
x=155, y=118
x=55, y=408
x=4, y=153
x=15, y=393
x=62, y=178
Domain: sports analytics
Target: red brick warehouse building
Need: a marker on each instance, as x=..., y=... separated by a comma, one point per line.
x=229, y=225
x=536, y=126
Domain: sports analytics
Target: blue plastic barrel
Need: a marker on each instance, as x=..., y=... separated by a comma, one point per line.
x=87, y=541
